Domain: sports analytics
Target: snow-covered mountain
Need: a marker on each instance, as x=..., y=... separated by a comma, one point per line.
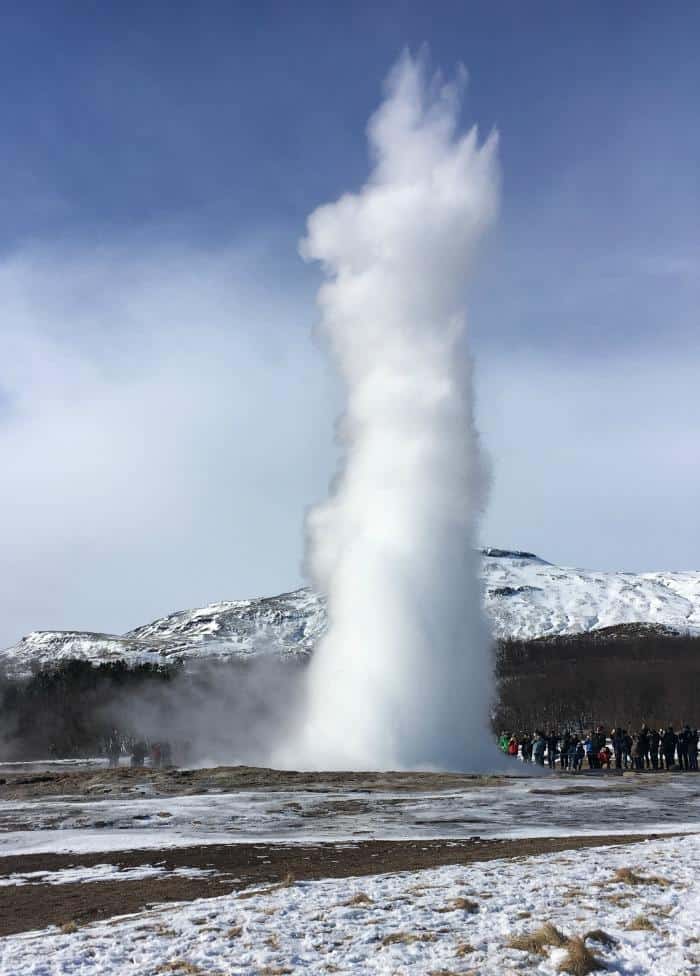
x=524, y=596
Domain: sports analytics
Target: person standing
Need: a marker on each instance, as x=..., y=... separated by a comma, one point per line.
x=654, y=742
x=617, y=737
x=626, y=748
x=638, y=751
x=644, y=746
x=683, y=745
x=114, y=748
x=538, y=748
x=565, y=746
x=693, y=750
x=668, y=746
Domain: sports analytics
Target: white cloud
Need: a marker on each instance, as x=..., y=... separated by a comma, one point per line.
x=164, y=422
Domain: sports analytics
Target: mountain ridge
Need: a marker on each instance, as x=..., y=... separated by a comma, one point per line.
x=525, y=598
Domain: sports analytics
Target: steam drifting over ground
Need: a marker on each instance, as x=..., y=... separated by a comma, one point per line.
x=403, y=677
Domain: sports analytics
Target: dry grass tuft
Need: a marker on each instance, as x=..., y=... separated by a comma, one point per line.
x=274, y=971
x=234, y=932
x=537, y=941
x=359, y=899
x=68, y=928
x=287, y=881
x=464, y=949
x=628, y=876
x=179, y=966
x=460, y=904
x=600, y=936
x=641, y=924
x=272, y=942
x=407, y=938
x=579, y=960
x=622, y=901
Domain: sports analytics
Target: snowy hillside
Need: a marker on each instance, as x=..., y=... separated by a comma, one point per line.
x=524, y=597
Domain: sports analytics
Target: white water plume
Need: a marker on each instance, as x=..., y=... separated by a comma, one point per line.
x=403, y=676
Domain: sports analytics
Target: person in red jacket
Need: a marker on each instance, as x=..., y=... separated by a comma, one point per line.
x=604, y=757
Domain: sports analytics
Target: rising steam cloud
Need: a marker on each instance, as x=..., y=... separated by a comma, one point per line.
x=403, y=676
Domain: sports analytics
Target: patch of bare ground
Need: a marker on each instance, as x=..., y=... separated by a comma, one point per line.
x=168, y=782
x=575, y=790
x=246, y=867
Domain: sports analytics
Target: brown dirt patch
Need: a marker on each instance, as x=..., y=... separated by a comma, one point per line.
x=239, y=866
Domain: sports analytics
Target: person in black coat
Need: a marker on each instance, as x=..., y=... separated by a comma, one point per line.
x=668, y=746
x=654, y=743
x=644, y=746
x=617, y=739
x=682, y=746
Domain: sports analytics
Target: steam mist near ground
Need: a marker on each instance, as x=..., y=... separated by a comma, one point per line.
x=403, y=677
x=217, y=713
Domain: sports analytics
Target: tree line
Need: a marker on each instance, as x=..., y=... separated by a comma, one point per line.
x=618, y=676
x=622, y=676
x=69, y=709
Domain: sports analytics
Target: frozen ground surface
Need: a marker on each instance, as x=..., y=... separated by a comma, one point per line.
x=410, y=922
x=546, y=806
x=100, y=872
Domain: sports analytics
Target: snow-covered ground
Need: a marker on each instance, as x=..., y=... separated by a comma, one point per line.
x=524, y=597
x=532, y=807
x=99, y=872
x=441, y=921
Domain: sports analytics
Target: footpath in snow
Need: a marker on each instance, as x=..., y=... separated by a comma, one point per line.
x=644, y=900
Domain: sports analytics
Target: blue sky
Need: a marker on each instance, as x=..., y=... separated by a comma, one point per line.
x=164, y=414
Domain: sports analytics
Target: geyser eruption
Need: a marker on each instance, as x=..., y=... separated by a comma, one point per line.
x=403, y=677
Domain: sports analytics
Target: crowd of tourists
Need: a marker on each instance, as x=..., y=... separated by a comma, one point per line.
x=598, y=749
